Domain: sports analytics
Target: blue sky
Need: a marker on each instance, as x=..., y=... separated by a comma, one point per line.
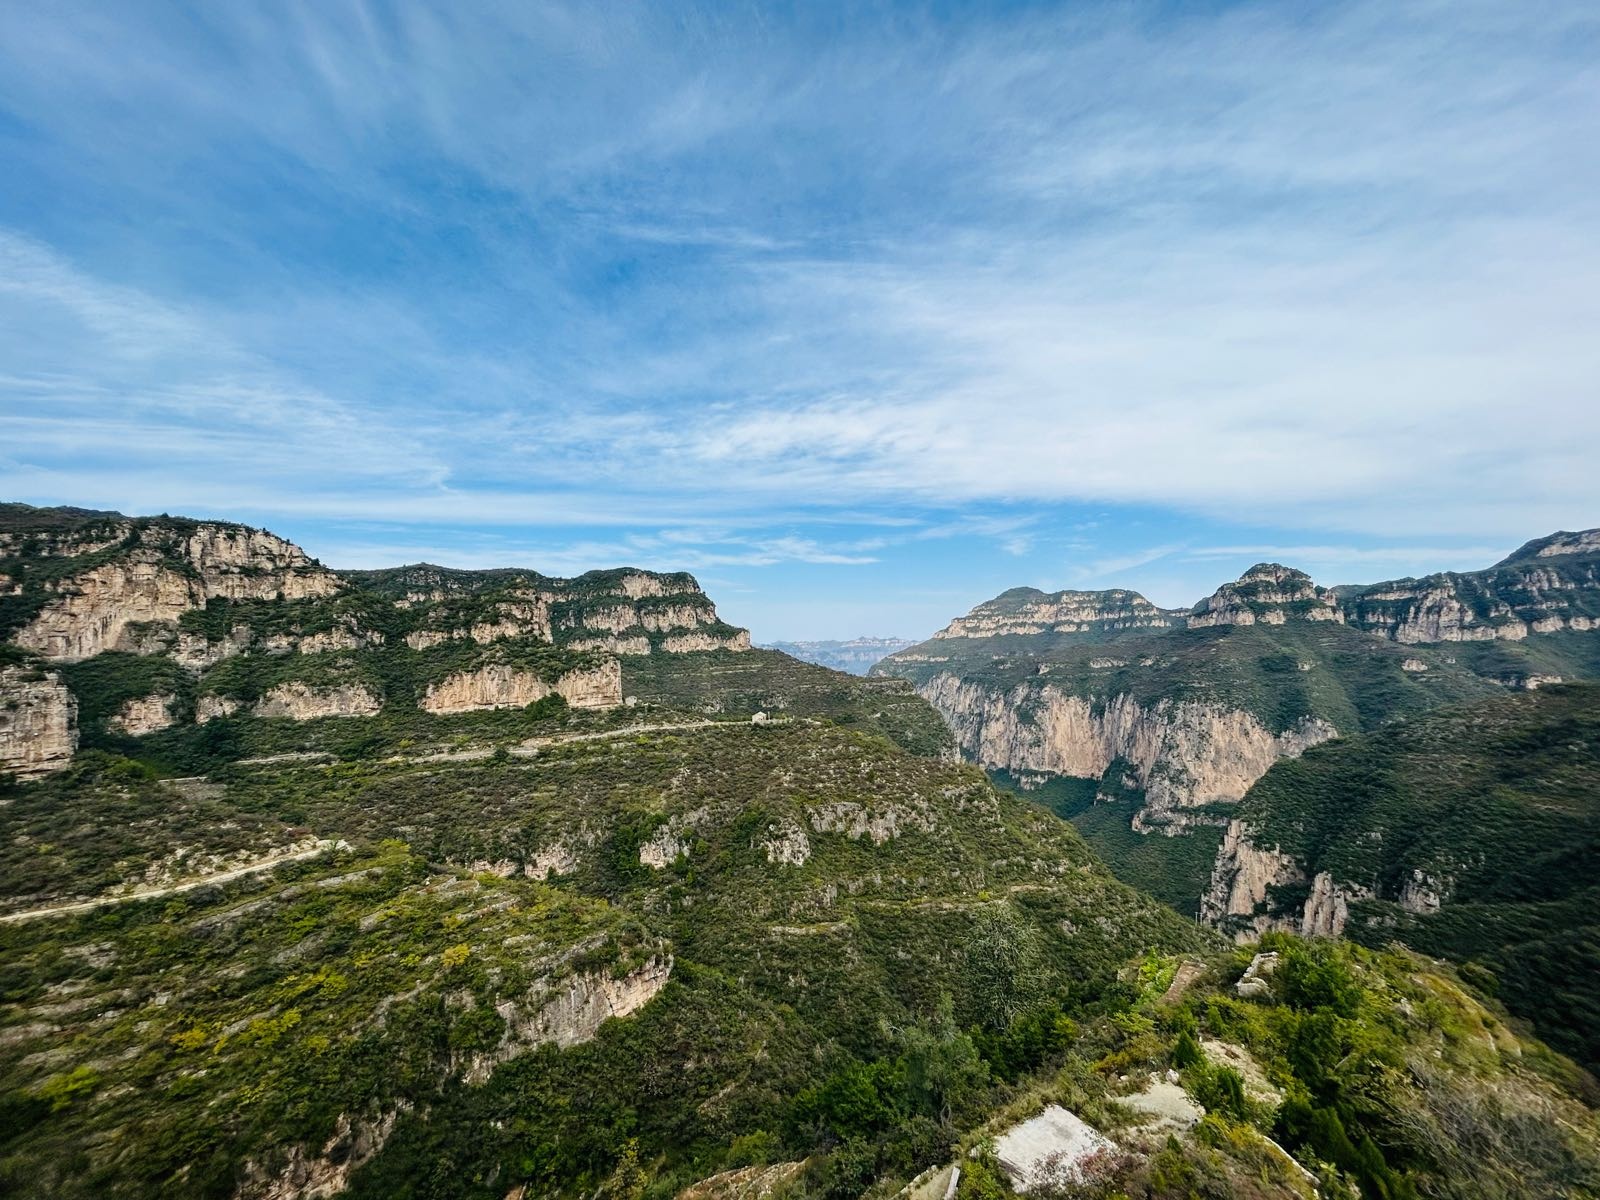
x=863, y=313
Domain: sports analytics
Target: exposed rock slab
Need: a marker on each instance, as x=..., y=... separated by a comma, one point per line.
x=38, y=722
x=1182, y=754
x=303, y=702
x=500, y=685
x=1053, y=1144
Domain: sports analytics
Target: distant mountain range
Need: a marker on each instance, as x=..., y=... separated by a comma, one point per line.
x=491, y=884
x=857, y=656
x=1438, y=790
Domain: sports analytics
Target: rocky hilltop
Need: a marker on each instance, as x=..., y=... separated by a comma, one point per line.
x=1028, y=611
x=141, y=624
x=1549, y=585
x=1267, y=593
x=1468, y=833
x=489, y=885
x=1169, y=717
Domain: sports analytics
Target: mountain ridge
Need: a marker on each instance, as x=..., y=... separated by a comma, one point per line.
x=1178, y=713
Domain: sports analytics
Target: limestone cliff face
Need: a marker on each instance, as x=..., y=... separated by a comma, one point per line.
x=499, y=685
x=312, y=1177
x=1463, y=609
x=144, y=714
x=613, y=644
x=1182, y=754
x=527, y=615
x=636, y=585
x=165, y=572
x=1027, y=611
x=1266, y=594
x=686, y=643
x=302, y=702
x=1240, y=900
x=1550, y=584
x=571, y=1011
x=38, y=722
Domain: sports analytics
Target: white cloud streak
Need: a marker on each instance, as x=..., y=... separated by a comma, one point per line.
x=1332, y=271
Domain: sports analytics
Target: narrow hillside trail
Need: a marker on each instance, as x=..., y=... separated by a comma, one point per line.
x=527, y=749
x=532, y=747
x=187, y=885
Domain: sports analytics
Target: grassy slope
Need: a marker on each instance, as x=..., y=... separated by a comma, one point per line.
x=782, y=973
x=740, y=684
x=1502, y=801
x=1355, y=681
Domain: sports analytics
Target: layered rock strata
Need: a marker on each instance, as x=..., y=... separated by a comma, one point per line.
x=38, y=722
x=1181, y=754
x=165, y=573
x=499, y=685
x=1027, y=611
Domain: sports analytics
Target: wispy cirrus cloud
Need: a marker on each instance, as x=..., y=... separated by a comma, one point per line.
x=972, y=281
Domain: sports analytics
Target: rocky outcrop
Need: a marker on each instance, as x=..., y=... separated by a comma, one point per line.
x=502, y=685
x=559, y=858
x=144, y=714
x=1241, y=879
x=38, y=722
x=879, y=820
x=1257, y=977
x=211, y=706
x=672, y=840
x=166, y=572
x=1423, y=893
x=1327, y=908
x=304, y=702
x=1239, y=899
x=1267, y=594
x=1028, y=611
x=570, y=1011
x=1181, y=754
x=687, y=643
x=786, y=844
x=312, y=1177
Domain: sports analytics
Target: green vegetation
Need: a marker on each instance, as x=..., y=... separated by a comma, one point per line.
x=1279, y=673
x=974, y=912
x=1173, y=870
x=740, y=684
x=1494, y=808
x=381, y=952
